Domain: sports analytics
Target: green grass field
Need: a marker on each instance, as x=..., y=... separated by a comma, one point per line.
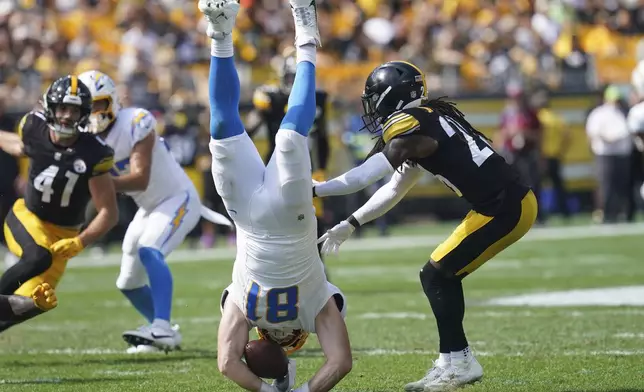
x=575, y=347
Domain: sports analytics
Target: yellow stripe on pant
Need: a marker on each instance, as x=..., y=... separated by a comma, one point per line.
x=30, y=231
x=479, y=238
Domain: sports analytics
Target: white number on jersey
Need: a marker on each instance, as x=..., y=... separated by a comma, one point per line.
x=43, y=183
x=478, y=155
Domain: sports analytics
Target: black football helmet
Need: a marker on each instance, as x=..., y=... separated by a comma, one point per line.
x=391, y=87
x=71, y=91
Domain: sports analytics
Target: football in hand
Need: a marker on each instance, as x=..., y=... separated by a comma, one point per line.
x=266, y=359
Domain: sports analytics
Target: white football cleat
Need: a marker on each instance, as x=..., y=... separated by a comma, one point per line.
x=458, y=374
x=143, y=349
x=305, y=16
x=152, y=335
x=431, y=375
x=221, y=15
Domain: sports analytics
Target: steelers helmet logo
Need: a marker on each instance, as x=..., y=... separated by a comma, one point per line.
x=79, y=166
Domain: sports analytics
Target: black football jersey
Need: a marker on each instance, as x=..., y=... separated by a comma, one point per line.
x=58, y=187
x=272, y=103
x=465, y=163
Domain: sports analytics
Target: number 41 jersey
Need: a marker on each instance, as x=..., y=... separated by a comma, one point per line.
x=465, y=163
x=58, y=187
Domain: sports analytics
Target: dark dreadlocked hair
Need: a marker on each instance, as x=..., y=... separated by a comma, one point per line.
x=443, y=108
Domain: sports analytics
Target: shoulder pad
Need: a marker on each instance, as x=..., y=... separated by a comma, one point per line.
x=398, y=124
x=30, y=120
x=143, y=122
x=104, y=156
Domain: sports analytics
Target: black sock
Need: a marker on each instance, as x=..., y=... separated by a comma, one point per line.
x=445, y=295
x=457, y=314
x=433, y=286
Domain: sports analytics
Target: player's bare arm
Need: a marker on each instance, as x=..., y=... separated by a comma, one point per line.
x=233, y=336
x=140, y=166
x=11, y=143
x=393, y=155
x=403, y=148
x=334, y=341
x=104, y=198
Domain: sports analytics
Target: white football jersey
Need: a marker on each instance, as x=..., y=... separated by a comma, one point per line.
x=635, y=118
x=167, y=178
x=278, y=277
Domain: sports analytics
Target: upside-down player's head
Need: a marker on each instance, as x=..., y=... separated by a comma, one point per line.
x=290, y=340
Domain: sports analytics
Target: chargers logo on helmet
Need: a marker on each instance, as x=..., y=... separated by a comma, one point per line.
x=105, y=100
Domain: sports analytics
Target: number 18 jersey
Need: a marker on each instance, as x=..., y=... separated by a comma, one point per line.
x=465, y=163
x=58, y=187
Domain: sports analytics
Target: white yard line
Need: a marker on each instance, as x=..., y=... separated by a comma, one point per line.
x=374, y=244
x=629, y=335
x=358, y=351
x=607, y=296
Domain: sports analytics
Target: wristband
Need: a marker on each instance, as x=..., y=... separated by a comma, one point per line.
x=353, y=222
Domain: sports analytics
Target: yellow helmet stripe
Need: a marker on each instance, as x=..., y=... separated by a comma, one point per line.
x=420, y=72
x=74, y=87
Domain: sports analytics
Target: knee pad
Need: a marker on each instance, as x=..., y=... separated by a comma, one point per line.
x=132, y=275
x=130, y=281
x=293, y=167
x=430, y=276
x=220, y=150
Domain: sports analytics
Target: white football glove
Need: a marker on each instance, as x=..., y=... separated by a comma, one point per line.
x=334, y=237
x=288, y=382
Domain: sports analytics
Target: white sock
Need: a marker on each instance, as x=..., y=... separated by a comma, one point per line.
x=222, y=47
x=162, y=324
x=306, y=52
x=444, y=359
x=464, y=355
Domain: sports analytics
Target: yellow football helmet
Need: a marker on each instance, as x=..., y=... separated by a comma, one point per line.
x=290, y=340
x=102, y=88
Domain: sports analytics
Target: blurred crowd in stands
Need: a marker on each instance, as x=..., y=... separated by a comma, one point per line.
x=158, y=53
x=155, y=46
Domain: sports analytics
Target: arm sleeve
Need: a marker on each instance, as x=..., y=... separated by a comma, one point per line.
x=358, y=178
x=389, y=194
